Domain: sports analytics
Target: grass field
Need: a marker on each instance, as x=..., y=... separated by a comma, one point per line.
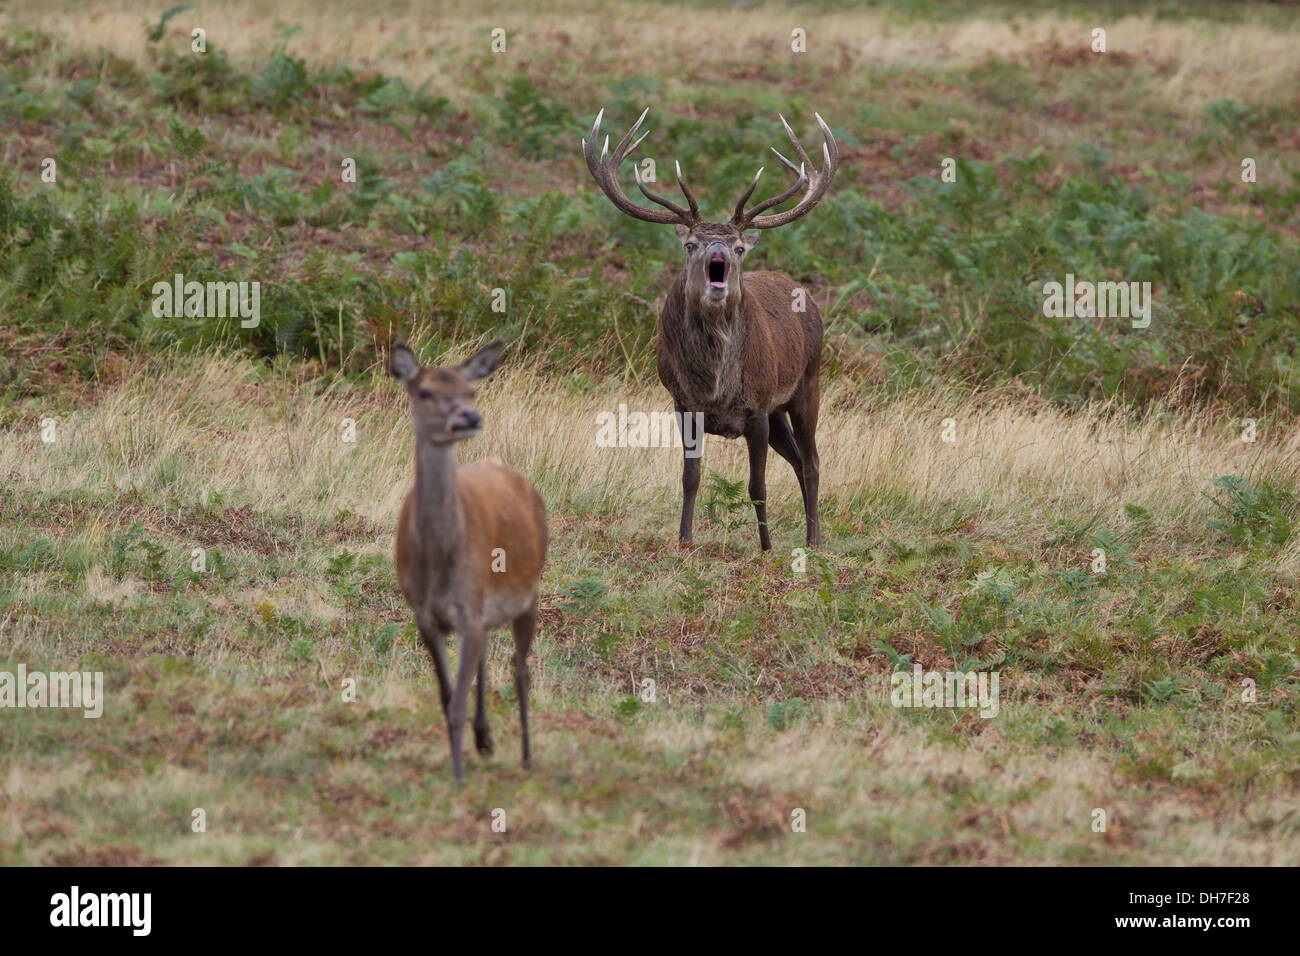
x=1162, y=691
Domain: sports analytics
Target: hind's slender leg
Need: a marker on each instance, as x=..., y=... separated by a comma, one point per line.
x=524, y=627
x=482, y=735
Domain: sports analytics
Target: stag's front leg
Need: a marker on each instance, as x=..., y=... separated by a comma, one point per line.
x=692, y=442
x=756, y=434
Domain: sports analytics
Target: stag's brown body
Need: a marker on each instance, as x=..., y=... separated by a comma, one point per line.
x=742, y=351
x=760, y=358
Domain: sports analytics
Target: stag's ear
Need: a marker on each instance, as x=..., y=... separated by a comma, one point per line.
x=750, y=239
x=483, y=363
x=402, y=364
x=682, y=231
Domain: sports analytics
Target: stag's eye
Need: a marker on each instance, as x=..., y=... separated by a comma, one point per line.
x=425, y=393
x=740, y=250
x=691, y=247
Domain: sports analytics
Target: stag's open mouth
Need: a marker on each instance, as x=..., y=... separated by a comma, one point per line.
x=716, y=268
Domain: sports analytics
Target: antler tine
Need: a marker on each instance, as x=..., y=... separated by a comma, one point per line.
x=604, y=170
x=830, y=148
x=817, y=182
x=684, y=215
x=686, y=190
x=794, y=141
x=739, y=214
x=788, y=165
x=623, y=149
x=799, y=184
x=639, y=139
x=595, y=128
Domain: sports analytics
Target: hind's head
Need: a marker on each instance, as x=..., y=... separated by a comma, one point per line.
x=442, y=397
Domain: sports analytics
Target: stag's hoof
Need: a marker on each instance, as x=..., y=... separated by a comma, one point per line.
x=484, y=744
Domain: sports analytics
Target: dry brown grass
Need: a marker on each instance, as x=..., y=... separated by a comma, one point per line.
x=666, y=787
x=1197, y=60
x=216, y=424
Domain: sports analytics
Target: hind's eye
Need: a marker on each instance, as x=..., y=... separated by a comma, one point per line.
x=425, y=393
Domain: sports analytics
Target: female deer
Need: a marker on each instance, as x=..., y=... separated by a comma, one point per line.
x=470, y=542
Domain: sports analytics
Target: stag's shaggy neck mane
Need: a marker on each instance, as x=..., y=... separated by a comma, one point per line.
x=715, y=334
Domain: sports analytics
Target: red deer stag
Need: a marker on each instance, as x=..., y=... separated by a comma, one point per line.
x=743, y=350
x=470, y=542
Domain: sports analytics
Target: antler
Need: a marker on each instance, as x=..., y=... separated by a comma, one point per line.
x=816, y=184
x=604, y=169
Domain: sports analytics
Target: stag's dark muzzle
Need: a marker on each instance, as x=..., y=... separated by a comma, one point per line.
x=716, y=266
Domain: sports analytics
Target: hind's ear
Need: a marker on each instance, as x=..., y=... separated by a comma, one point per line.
x=483, y=363
x=402, y=364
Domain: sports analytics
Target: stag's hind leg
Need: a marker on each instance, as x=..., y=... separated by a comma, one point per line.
x=782, y=441
x=803, y=422
x=524, y=627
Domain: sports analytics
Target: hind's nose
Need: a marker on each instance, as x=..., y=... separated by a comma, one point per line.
x=466, y=418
